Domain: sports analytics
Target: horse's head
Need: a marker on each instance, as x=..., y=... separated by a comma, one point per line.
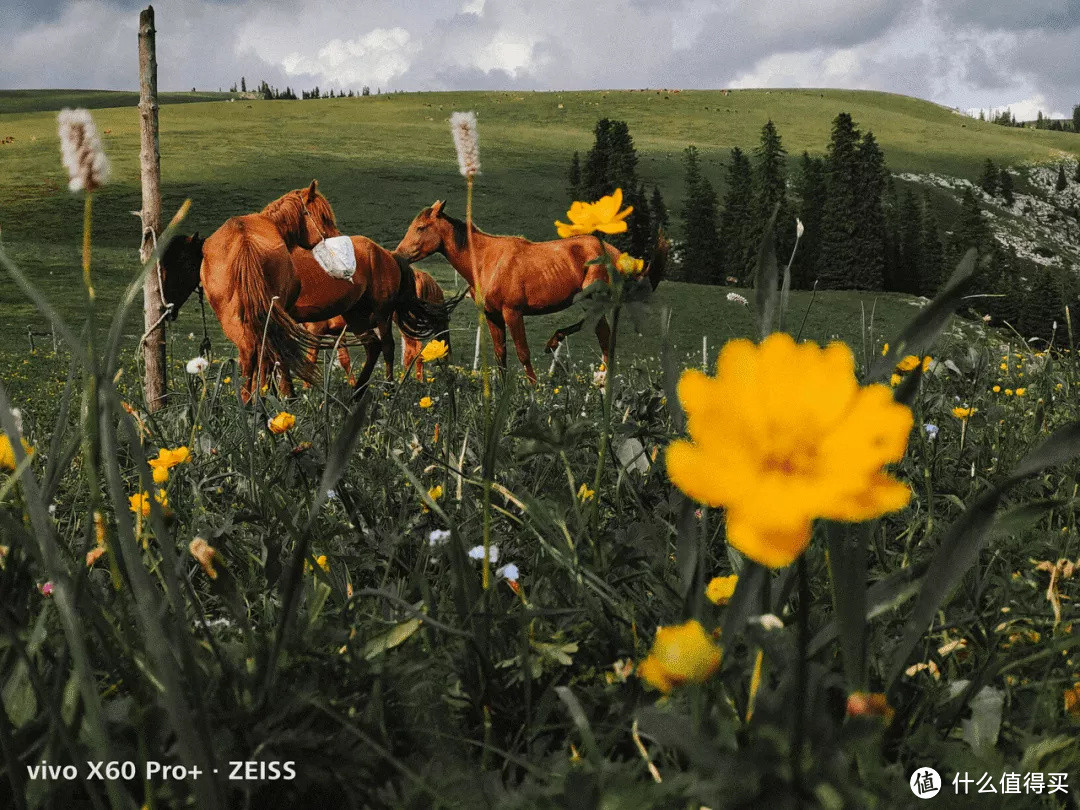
x=180, y=264
x=316, y=217
x=425, y=235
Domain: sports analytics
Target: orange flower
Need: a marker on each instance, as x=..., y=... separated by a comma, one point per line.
x=603, y=215
x=870, y=704
x=282, y=423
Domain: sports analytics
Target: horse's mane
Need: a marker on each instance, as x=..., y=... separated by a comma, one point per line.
x=461, y=231
x=285, y=211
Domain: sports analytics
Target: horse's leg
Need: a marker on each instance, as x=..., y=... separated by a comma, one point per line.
x=603, y=334
x=346, y=363
x=285, y=383
x=389, y=348
x=246, y=354
x=497, y=327
x=372, y=350
x=313, y=356
x=410, y=350
x=516, y=324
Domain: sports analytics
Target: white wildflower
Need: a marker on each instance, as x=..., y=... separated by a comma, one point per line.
x=931, y=431
x=735, y=298
x=508, y=572
x=477, y=553
x=599, y=378
x=80, y=149
x=440, y=537
x=463, y=128
x=799, y=229
x=16, y=414
x=197, y=365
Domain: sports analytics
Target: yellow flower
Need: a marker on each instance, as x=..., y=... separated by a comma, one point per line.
x=435, y=492
x=603, y=215
x=628, y=265
x=205, y=554
x=585, y=494
x=996, y=389
x=784, y=434
x=909, y=363
x=434, y=350
x=926, y=361
x=319, y=561
x=281, y=423
x=139, y=503
x=1020, y=391
x=965, y=413
x=720, y=589
x=1072, y=701
x=7, y=453
x=680, y=654
x=894, y=380
x=426, y=402
x=94, y=554
x=1004, y=366
x=885, y=350
x=226, y=381
x=1008, y=392
x=161, y=473
x=870, y=704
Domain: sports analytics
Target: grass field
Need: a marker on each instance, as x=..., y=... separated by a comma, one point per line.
x=381, y=158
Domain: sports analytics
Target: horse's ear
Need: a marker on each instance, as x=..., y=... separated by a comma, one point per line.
x=312, y=190
x=436, y=209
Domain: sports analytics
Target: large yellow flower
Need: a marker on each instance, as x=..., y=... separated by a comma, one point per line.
x=434, y=350
x=680, y=654
x=784, y=434
x=7, y=453
x=603, y=215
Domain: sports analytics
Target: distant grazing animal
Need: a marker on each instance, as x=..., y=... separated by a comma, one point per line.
x=517, y=277
x=381, y=289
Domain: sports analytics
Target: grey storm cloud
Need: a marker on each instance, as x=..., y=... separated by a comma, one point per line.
x=963, y=53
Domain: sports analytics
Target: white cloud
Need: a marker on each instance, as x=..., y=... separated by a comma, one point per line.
x=377, y=57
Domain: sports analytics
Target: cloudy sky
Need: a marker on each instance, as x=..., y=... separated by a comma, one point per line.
x=961, y=53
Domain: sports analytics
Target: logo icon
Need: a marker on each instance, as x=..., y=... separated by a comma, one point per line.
x=925, y=783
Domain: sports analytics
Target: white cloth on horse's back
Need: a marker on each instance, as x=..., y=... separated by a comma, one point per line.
x=336, y=256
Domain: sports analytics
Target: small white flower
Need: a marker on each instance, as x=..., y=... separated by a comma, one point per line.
x=768, y=621
x=735, y=298
x=799, y=229
x=16, y=414
x=330, y=493
x=931, y=430
x=599, y=378
x=197, y=365
x=508, y=572
x=477, y=553
x=439, y=537
x=52, y=510
x=986, y=318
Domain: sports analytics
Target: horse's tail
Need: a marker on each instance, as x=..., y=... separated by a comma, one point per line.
x=658, y=261
x=418, y=317
x=287, y=342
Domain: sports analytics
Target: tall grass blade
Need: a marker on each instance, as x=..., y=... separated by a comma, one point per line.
x=766, y=294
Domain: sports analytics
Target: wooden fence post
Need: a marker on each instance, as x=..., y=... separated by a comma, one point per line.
x=150, y=164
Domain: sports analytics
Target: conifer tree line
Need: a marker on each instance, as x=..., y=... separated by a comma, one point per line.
x=860, y=230
x=268, y=91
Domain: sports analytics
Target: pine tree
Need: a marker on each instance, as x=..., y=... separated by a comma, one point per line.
x=701, y=258
x=573, y=188
x=871, y=232
x=932, y=254
x=243, y=84
x=736, y=221
x=989, y=179
x=770, y=194
x=911, y=260
x=811, y=190
x=659, y=211
x=971, y=229
x=839, y=260
x=1005, y=183
x=1062, y=181
x=612, y=164
x=1076, y=118
x=1076, y=174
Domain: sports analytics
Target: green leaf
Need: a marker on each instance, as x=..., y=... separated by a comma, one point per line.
x=766, y=294
x=398, y=634
x=981, y=731
x=847, y=580
x=1060, y=446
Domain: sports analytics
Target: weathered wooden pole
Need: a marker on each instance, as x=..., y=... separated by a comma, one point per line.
x=150, y=164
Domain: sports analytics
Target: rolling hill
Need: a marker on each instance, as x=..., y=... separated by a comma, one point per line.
x=381, y=158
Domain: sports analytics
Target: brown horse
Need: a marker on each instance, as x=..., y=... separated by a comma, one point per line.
x=248, y=277
x=382, y=289
x=428, y=290
x=517, y=277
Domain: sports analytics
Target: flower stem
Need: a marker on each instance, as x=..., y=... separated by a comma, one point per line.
x=799, y=732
